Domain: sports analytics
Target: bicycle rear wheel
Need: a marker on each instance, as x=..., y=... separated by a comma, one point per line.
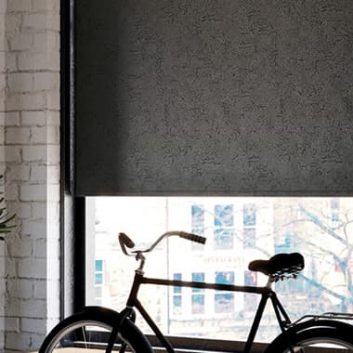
x=333, y=338
x=89, y=332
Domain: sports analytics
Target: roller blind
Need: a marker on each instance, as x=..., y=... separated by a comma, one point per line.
x=225, y=97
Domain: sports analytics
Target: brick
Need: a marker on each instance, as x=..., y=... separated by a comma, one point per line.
x=22, y=342
x=20, y=248
x=17, y=135
x=33, y=193
x=12, y=324
x=12, y=119
x=53, y=99
x=11, y=62
x=36, y=229
x=18, y=172
x=13, y=153
x=32, y=268
x=46, y=41
x=39, y=135
x=33, y=118
x=33, y=325
x=51, y=6
x=37, y=21
x=26, y=101
x=53, y=155
x=46, y=81
x=21, y=41
x=20, y=288
x=38, y=61
x=35, y=154
x=20, y=82
x=19, y=6
x=13, y=22
x=2, y=61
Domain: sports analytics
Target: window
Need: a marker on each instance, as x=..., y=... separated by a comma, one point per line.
x=177, y=296
x=99, y=280
x=223, y=223
x=238, y=230
x=198, y=295
x=224, y=301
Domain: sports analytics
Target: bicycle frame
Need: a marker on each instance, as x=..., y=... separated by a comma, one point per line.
x=265, y=292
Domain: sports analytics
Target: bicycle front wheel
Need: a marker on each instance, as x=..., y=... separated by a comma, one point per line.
x=332, y=338
x=90, y=331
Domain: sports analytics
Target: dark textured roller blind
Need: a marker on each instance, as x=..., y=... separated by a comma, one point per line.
x=202, y=97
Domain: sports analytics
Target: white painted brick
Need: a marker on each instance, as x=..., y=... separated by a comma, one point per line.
x=18, y=172
x=33, y=118
x=38, y=61
x=53, y=155
x=12, y=119
x=21, y=41
x=35, y=154
x=17, y=135
x=12, y=192
x=20, y=248
x=11, y=267
x=26, y=101
x=19, y=5
x=53, y=174
x=32, y=268
x=39, y=135
x=13, y=153
x=53, y=118
x=53, y=135
x=51, y=6
x=40, y=289
x=46, y=41
x=53, y=194
x=22, y=342
x=12, y=324
x=11, y=62
x=37, y=21
x=20, y=288
x=2, y=60
x=20, y=82
x=23, y=210
x=38, y=173
x=39, y=211
x=33, y=325
x=35, y=229
x=53, y=99
x=13, y=22
x=33, y=192
x=46, y=81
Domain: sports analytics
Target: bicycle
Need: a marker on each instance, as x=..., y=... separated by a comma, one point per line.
x=80, y=331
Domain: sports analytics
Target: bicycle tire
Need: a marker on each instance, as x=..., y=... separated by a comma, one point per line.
x=90, y=329
x=310, y=336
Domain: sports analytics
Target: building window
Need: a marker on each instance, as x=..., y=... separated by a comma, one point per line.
x=98, y=281
x=197, y=224
x=197, y=219
x=249, y=215
x=177, y=295
x=249, y=226
x=224, y=301
x=223, y=226
x=198, y=294
x=249, y=237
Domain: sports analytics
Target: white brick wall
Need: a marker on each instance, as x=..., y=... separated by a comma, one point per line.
x=30, y=153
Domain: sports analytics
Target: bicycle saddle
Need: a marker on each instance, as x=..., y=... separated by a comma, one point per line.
x=279, y=266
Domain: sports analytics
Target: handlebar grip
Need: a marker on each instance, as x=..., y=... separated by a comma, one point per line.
x=125, y=241
x=193, y=237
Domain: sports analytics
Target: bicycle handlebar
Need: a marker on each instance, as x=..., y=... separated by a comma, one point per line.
x=125, y=242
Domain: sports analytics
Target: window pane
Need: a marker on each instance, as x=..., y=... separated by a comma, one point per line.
x=238, y=230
